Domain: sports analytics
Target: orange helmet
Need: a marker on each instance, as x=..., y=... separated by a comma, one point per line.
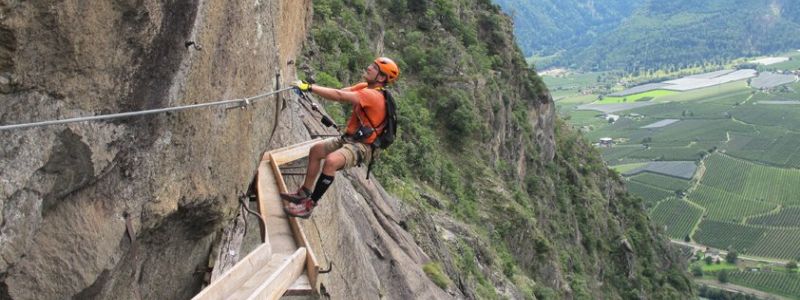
x=389, y=68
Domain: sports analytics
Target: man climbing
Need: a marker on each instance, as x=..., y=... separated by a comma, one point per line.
x=353, y=148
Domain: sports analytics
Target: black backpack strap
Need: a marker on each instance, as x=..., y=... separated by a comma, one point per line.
x=371, y=159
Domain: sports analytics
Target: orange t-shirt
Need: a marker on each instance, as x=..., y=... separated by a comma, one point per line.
x=371, y=108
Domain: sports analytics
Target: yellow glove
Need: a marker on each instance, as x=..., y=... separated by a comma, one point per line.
x=302, y=85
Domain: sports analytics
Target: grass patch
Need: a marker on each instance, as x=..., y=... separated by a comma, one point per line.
x=628, y=167
x=712, y=93
x=435, y=273
x=576, y=99
x=715, y=267
x=637, y=97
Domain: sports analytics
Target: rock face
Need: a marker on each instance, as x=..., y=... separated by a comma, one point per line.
x=68, y=191
x=130, y=208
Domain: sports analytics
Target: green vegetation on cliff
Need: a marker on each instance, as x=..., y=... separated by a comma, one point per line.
x=475, y=158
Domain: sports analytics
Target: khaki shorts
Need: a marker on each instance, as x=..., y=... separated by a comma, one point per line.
x=354, y=153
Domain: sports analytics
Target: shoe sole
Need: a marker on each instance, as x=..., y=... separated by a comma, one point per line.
x=295, y=216
x=290, y=198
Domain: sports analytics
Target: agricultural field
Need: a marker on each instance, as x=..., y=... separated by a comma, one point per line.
x=645, y=96
x=571, y=82
x=677, y=217
x=774, y=147
x=615, y=107
x=769, y=115
x=719, y=94
x=727, y=235
x=721, y=205
x=628, y=167
x=749, y=240
x=679, y=169
x=792, y=64
x=744, y=191
x=768, y=80
x=787, y=217
x=664, y=182
x=781, y=283
x=650, y=194
x=753, y=181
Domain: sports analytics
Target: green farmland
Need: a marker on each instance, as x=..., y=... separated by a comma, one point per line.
x=745, y=195
x=752, y=181
x=677, y=217
x=780, y=283
x=646, y=96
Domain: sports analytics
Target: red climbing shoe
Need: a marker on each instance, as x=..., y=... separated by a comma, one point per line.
x=302, y=209
x=296, y=197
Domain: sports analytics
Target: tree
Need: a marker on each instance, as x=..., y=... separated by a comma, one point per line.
x=697, y=271
x=791, y=266
x=732, y=257
x=722, y=276
x=686, y=238
x=709, y=260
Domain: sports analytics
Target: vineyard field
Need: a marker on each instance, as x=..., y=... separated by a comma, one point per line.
x=665, y=182
x=780, y=243
x=726, y=174
x=723, y=206
x=749, y=239
x=786, y=217
x=769, y=115
x=677, y=217
x=649, y=193
x=784, y=284
x=669, y=154
x=699, y=130
x=752, y=181
x=772, y=147
x=679, y=169
x=725, y=235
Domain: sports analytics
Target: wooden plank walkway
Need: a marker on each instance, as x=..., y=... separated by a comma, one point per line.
x=284, y=263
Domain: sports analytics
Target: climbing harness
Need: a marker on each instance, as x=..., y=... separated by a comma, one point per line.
x=242, y=103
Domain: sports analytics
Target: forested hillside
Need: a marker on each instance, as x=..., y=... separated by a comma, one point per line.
x=668, y=34
x=551, y=27
x=676, y=34
x=508, y=201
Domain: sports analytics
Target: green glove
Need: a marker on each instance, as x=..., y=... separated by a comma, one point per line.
x=302, y=85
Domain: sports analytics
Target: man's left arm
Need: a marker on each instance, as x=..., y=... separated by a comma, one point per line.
x=343, y=95
x=336, y=94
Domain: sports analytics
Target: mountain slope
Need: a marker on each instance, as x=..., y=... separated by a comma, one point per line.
x=546, y=27
x=680, y=33
x=507, y=199
x=654, y=34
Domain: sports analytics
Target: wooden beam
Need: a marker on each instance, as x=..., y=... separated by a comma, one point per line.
x=300, y=287
x=266, y=188
x=312, y=266
x=282, y=278
x=283, y=156
x=231, y=280
x=289, y=148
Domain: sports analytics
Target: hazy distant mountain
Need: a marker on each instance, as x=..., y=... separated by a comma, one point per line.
x=666, y=34
x=544, y=27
